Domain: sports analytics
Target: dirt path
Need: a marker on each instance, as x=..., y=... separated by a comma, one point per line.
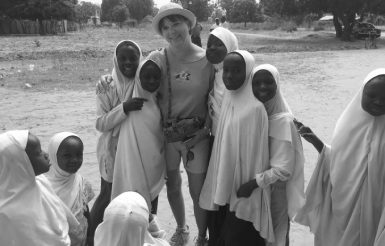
x=317, y=85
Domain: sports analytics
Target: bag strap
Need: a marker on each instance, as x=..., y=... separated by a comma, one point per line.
x=168, y=85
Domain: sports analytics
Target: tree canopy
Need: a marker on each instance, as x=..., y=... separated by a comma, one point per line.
x=40, y=9
x=84, y=10
x=243, y=11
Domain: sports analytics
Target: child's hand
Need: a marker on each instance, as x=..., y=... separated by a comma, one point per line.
x=304, y=131
x=247, y=188
x=309, y=135
x=133, y=104
x=106, y=79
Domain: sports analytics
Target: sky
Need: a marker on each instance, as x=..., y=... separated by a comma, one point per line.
x=157, y=2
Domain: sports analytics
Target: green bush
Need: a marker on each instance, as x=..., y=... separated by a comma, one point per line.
x=289, y=26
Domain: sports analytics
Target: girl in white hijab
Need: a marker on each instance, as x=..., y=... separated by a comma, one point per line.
x=140, y=163
x=125, y=223
x=221, y=41
x=286, y=175
x=30, y=211
x=66, y=154
x=345, y=197
x=240, y=151
x=114, y=103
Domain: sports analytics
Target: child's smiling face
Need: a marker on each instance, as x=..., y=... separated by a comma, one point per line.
x=264, y=85
x=373, y=96
x=70, y=154
x=128, y=59
x=216, y=50
x=150, y=76
x=234, y=71
x=38, y=158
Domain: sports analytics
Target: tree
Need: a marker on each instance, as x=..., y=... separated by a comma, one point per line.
x=139, y=8
x=345, y=11
x=107, y=6
x=42, y=9
x=227, y=5
x=119, y=14
x=84, y=10
x=243, y=11
x=199, y=7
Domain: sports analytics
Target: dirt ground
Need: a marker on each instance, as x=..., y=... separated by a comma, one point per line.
x=317, y=85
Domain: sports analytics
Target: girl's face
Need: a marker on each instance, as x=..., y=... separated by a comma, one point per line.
x=38, y=158
x=216, y=50
x=373, y=96
x=70, y=154
x=234, y=71
x=128, y=60
x=150, y=76
x=264, y=86
x=175, y=31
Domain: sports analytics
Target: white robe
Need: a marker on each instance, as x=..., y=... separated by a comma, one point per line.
x=240, y=151
x=345, y=196
x=140, y=163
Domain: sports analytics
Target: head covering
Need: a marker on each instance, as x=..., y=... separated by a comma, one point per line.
x=172, y=9
x=125, y=222
x=68, y=186
x=216, y=97
x=227, y=37
x=140, y=162
x=240, y=151
x=357, y=167
x=123, y=84
x=281, y=127
x=29, y=213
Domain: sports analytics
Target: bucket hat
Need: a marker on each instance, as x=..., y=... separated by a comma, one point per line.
x=172, y=9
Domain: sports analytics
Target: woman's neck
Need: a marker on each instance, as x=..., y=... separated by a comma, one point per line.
x=185, y=52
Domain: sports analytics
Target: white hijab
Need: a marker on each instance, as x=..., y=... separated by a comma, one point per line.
x=125, y=222
x=281, y=127
x=69, y=187
x=123, y=84
x=215, y=101
x=30, y=211
x=240, y=151
x=357, y=170
x=140, y=163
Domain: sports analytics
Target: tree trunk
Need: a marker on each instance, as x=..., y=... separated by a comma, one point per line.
x=347, y=20
x=337, y=26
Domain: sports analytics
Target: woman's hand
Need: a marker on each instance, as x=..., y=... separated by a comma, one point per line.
x=247, y=188
x=198, y=136
x=309, y=135
x=106, y=79
x=133, y=104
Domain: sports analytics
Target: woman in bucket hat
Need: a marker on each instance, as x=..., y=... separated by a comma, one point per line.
x=182, y=97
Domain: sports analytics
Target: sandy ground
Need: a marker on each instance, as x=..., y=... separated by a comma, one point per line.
x=317, y=85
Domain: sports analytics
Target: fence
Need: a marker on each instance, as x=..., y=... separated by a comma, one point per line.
x=44, y=27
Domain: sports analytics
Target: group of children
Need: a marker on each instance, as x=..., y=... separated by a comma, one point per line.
x=254, y=184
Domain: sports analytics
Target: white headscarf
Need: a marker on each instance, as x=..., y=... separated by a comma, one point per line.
x=281, y=127
x=140, y=163
x=123, y=84
x=68, y=186
x=30, y=212
x=240, y=151
x=125, y=223
x=215, y=98
x=357, y=170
